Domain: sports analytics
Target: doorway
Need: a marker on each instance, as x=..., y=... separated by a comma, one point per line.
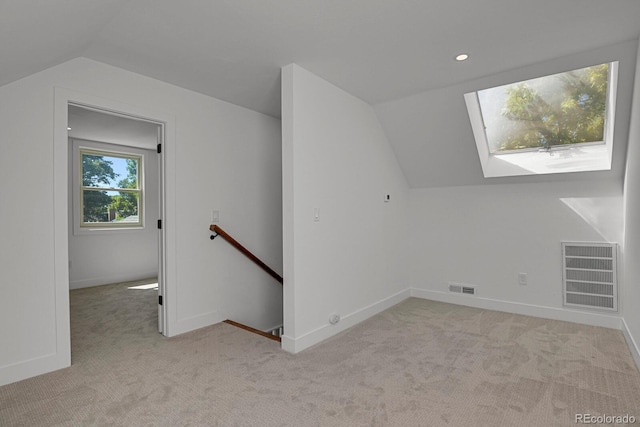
x=116, y=180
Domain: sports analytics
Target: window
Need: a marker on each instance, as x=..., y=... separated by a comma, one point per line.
x=110, y=189
x=552, y=124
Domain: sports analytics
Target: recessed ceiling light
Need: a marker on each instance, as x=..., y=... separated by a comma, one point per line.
x=462, y=57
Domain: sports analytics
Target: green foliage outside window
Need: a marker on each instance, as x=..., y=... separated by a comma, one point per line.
x=567, y=108
x=103, y=198
x=125, y=204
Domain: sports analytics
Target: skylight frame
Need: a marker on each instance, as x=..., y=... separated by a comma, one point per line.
x=587, y=156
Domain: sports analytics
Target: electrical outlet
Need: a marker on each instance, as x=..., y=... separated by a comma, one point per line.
x=334, y=318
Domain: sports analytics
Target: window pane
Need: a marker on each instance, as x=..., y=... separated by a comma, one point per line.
x=561, y=109
x=104, y=171
x=100, y=206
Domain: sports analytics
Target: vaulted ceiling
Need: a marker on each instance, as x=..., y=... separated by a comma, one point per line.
x=378, y=50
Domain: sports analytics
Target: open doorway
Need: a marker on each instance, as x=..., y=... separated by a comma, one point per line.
x=115, y=201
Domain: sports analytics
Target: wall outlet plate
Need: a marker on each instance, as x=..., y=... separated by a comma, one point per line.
x=522, y=278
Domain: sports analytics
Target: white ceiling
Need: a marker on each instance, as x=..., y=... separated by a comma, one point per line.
x=378, y=50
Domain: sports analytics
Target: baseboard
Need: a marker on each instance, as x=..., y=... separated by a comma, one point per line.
x=567, y=315
x=295, y=345
x=195, y=322
x=633, y=345
x=32, y=367
x=107, y=280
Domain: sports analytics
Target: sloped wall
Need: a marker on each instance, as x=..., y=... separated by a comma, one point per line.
x=432, y=137
x=469, y=229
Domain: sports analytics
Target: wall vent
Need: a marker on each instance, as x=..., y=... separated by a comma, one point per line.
x=462, y=289
x=589, y=278
x=468, y=290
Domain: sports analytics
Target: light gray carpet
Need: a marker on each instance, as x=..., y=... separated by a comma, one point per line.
x=421, y=363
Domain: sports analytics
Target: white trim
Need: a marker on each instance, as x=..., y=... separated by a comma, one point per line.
x=63, y=97
x=84, y=145
x=196, y=322
x=29, y=368
x=633, y=345
x=563, y=314
x=585, y=156
x=295, y=345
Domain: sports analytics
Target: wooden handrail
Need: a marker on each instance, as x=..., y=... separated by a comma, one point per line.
x=216, y=229
x=254, y=330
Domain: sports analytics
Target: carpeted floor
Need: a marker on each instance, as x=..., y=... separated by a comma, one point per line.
x=420, y=363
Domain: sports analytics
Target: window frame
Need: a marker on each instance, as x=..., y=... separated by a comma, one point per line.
x=80, y=147
x=587, y=156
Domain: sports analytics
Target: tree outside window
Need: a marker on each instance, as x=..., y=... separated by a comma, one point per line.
x=110, y=193
x=556, y=110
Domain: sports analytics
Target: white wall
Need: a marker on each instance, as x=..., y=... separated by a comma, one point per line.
x=218, y=156
x=485, y=235
x=631, y=291
x=100, y=257
x=336, y=158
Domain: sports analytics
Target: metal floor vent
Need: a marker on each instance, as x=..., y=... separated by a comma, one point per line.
x=462, y=289
x=589, y=278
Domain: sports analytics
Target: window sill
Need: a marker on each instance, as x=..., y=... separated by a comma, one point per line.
x=93, y=231
x=572, y=159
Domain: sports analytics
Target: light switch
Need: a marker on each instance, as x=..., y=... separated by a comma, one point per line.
x=316, y=214
x=215, y=216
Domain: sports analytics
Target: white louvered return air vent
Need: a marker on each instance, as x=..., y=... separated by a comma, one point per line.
x=589, y=277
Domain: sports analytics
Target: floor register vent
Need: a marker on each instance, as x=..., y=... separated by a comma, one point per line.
x=462, y=289
x=589, y=278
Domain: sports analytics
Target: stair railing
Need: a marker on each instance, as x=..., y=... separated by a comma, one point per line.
x=220, y=232
x=254, y=330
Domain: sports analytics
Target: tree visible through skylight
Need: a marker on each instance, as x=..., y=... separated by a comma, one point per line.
x=556, y=110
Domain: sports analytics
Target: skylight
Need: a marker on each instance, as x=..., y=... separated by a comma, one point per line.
x=553, y=124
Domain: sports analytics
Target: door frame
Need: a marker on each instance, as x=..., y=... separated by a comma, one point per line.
x=166, y=269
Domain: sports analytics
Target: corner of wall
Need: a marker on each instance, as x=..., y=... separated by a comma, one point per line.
x=298, y=344
x=631, y=208
x=633, y=345
x=337, y=164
